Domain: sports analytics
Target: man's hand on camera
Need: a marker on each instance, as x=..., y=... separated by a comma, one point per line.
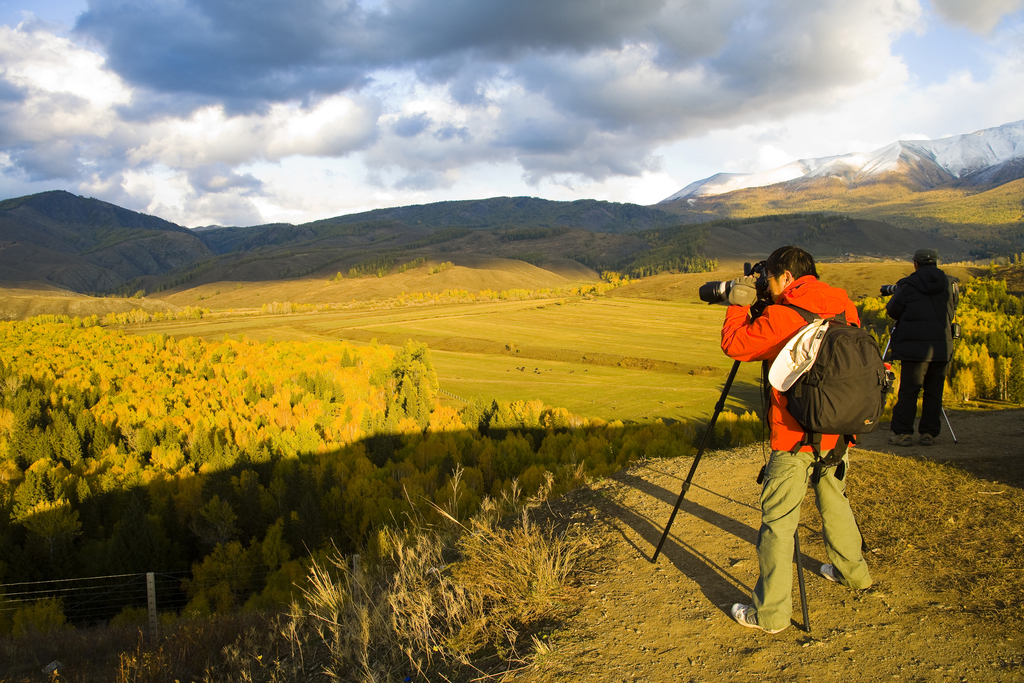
x=743, y=292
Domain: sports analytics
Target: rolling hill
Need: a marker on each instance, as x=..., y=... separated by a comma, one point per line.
x=92, y=247
x=87, y=245
x=991, y=220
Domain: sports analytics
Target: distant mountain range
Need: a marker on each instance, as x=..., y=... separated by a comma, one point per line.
x=90, y=246
x=93, y=247
x=961, y=195
x=993, y=156
x=87, y=245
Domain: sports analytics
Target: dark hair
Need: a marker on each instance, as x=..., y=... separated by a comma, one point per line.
x=794, y=259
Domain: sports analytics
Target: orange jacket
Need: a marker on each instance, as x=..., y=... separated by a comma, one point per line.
x=763, y=338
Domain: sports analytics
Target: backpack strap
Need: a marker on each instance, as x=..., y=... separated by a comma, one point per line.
x=813, y=439
x=766, y=385
x=811, y=316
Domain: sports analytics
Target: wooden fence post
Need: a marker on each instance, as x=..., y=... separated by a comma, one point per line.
x=151, y=598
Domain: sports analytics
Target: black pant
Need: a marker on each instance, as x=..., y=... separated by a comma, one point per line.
x=914, y=376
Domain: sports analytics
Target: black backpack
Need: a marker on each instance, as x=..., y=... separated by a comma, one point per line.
x=844, y=390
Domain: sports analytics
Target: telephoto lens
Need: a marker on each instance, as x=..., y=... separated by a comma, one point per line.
x=718, y=292
x=888, y=290
x=715, y=292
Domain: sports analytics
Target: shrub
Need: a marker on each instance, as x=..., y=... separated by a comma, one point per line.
x=42, y=617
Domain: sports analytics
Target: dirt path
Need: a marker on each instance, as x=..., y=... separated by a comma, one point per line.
x=984, y=439
x=669, y=621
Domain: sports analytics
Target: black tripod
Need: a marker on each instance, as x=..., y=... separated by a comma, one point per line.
x=686, y=487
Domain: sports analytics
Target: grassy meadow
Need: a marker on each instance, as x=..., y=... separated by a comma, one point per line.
x=613, y=358
x=646, y=350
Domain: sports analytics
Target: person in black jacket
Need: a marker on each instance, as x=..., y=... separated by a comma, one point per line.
x=923, y=306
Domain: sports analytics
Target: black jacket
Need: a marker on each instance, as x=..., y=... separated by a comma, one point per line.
x=923, y=306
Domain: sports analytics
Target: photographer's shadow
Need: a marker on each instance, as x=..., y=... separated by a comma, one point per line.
x=719, y=584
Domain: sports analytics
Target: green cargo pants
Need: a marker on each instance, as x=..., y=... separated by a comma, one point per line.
x=785, y=485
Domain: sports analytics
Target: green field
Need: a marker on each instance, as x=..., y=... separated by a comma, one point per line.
x=613, y=358
x=648, y=350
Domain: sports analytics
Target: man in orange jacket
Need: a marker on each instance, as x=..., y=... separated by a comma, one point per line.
x=792, y=279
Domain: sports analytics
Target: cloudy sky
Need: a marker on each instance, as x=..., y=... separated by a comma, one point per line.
x=239, y=112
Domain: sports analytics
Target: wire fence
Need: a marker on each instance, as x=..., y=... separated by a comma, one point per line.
x=97, y=600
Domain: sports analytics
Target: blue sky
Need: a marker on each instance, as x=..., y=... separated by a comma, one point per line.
x=216, y=111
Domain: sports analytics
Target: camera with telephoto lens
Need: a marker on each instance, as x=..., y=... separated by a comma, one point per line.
x=888, y=290
x=718, y=292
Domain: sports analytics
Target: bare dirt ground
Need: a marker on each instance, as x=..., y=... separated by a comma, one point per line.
x=669, y=621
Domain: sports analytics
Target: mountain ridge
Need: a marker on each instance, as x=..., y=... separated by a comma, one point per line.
x=986, y=157
x=89, y=246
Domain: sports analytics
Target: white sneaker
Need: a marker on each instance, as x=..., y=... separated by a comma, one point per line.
x=830, y=572
x=742, y=615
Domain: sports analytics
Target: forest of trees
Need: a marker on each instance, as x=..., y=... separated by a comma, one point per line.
x=675, y=249
x=122, y=453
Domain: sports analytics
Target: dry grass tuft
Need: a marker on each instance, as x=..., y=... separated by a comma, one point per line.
x=432, y=599
x=956, y=532
x=519, y=573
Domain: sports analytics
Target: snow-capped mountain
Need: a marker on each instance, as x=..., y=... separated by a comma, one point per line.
x=987, y=157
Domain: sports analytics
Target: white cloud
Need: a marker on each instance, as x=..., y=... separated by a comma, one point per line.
x=58, y=90
x=978, y=15
x=770, y=156
x=334, y=126
x=39, y=60
x=220, y=120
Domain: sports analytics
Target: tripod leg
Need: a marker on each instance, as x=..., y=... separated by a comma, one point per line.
x=949, y=425
x=700, y=451
x=800, y=579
